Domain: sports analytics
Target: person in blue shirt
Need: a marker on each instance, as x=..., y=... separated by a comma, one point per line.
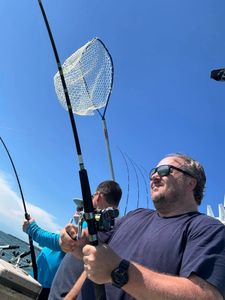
x=50, y=256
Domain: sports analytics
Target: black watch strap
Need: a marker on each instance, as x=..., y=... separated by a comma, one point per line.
x=120, y=274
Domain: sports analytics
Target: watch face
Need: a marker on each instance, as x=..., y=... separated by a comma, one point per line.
x=120, y=274
x=120, y=277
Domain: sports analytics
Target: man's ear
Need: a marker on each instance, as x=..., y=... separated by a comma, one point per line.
x=192, y=183
x=99, y=197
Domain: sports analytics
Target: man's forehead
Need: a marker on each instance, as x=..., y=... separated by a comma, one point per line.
x=171, y=160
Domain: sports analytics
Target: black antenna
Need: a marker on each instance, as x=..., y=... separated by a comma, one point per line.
x=27, y=216
x=218, y=74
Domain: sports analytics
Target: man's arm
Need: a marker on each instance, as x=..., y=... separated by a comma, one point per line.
x=144, y=283
x=72, y=295
x=43, y=237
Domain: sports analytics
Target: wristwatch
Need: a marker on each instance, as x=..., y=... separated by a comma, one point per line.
x=120, y=274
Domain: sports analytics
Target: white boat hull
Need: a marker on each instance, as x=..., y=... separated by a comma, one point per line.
x=17, y=284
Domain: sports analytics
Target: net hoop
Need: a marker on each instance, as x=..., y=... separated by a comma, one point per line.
x=88, y=74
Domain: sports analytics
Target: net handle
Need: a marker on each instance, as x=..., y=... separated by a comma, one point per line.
x=108, y=148
x=102, y=115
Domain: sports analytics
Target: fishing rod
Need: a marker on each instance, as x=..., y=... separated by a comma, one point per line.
x=135, y=166
x=128, y=181
x=137, y=180
x=27, y=216
x=85, y=187
x=145, y=183
x=84, y=181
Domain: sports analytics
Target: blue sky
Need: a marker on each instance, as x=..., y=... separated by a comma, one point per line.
x=163, y=100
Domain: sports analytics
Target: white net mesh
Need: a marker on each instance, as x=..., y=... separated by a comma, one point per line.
x=88, y=74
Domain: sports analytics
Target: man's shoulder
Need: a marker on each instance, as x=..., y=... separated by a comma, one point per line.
x=203, y=219
x=140, y=212
x=202, y=224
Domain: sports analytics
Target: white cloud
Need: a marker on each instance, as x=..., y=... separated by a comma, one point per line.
x=12, y=212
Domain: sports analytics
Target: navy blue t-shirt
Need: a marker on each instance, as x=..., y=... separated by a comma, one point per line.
x=180, y=245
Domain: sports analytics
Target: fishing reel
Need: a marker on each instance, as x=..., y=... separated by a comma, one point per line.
x=105, y=218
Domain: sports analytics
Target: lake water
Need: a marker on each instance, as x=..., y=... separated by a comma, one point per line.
x=9, y=255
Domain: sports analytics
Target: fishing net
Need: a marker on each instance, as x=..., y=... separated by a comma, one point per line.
x=88, y=74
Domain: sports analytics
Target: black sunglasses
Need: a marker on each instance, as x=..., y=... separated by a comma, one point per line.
x=165, y=170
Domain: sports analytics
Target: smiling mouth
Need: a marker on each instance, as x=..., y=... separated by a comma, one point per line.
x=156, y=186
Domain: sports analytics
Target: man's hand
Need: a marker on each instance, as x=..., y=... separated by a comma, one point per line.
x=99, y=262
x=68, y=240
x=26, y=224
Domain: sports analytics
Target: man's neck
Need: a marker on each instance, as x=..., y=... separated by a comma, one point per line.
x=175, y=211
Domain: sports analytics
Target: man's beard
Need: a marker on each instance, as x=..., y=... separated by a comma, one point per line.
x=163, y=203
x=160, y=202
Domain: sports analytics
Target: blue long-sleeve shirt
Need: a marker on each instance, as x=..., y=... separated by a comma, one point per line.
x=51, y=255
x=43, y=237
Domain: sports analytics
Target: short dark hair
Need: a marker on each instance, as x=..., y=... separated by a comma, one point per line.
x=197, y=171
x=111, y=191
